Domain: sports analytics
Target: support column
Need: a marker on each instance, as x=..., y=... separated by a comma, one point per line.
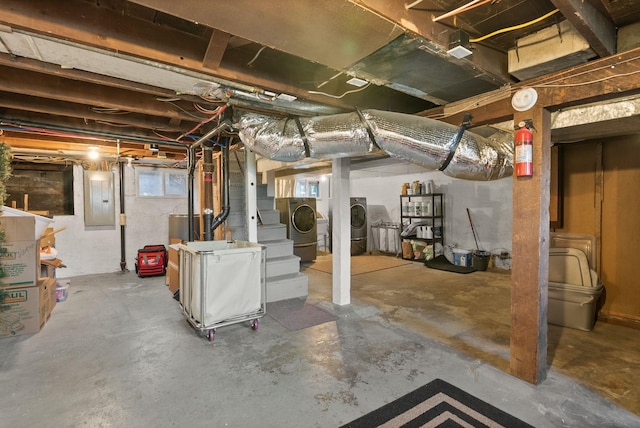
x=341, y=231
x=530, y=264
x=251, y=196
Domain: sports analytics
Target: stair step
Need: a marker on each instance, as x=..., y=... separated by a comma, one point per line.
x=280, y=266
x=272, y=232
x=270, y=216
x=266, y=203
x=261, y=190
x=287, y=287
x=278, y=248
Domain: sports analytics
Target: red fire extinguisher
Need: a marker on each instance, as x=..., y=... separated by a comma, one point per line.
x=524, y=150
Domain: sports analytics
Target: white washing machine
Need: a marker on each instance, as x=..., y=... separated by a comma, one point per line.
x=299, y=215
x=358, y=226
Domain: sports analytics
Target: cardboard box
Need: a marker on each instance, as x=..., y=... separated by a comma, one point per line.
x=174, y=255
x=51, y=288
x=21, y=262
x=18, y=228
x=173, y=277
x=25, y=310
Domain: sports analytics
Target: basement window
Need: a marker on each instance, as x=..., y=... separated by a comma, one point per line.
x=307, y=188
x=156, y=183
x=45, y=189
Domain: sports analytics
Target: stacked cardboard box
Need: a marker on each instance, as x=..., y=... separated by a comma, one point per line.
x=29, y=300
x=173, y=267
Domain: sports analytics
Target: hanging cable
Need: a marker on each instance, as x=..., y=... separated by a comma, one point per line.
x=340, y=96
x=515, y=27
x=219, y=111
x=256, y=56
x=415, y=3
x=471, y=5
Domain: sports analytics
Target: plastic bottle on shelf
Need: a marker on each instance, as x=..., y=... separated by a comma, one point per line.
x=405, y=187
x=428, y=234
x=405, y=208
x=417, y=209
x=427, y=208
x=412, y=208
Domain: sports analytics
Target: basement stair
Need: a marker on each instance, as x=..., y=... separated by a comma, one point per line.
x=284, y=280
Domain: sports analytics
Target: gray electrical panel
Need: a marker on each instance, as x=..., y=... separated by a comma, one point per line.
x=99, y=206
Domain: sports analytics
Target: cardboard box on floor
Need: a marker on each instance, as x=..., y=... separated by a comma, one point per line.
x=173, y=277
x=21, y=262
x=26, y=309
x=173, y=267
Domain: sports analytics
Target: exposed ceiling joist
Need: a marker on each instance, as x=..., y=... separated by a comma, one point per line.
x=52, y=87
x=595, y=27
x=215, y=51
x=612, y=77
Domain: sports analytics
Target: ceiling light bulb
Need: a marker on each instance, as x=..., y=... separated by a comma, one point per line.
x=94, y=154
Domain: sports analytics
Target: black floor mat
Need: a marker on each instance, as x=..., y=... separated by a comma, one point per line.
x=441, y=263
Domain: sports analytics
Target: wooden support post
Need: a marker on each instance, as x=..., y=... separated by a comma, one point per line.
x=530, y=266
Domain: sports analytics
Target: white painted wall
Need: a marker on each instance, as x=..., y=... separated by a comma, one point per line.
x=91, y=250
x=489, y=202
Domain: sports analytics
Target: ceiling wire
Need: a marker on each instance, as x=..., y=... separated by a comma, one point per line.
x=515, y=27
x=471, y=5
x=340, y=96
x=256, y=56
x=410, y=5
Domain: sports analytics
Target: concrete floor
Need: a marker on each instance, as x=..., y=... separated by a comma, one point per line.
x=119, y=353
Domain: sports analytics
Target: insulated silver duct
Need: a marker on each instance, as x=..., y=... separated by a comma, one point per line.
x=427, y=142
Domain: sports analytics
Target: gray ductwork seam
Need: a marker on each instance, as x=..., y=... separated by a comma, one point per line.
x=366, y=124
x=304, y=137
x=456, y=141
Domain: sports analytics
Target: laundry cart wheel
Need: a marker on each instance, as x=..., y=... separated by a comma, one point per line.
x=254, y=324
x=212, y=334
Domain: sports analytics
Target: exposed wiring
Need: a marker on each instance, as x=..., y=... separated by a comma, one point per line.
x=117, y=125
x=218, y=113
x=256, y=56
x=410, y=5
x=203, y=109
x=164, y=137
x=471, y=5
x=108, y=110
x=515, y=27
x=591, y=82
x=329, y=80
x=168, y=99
x=340, y=96
x=184, y=110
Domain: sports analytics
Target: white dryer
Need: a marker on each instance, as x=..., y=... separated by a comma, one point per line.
x=299, y=215
x=358, y=226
